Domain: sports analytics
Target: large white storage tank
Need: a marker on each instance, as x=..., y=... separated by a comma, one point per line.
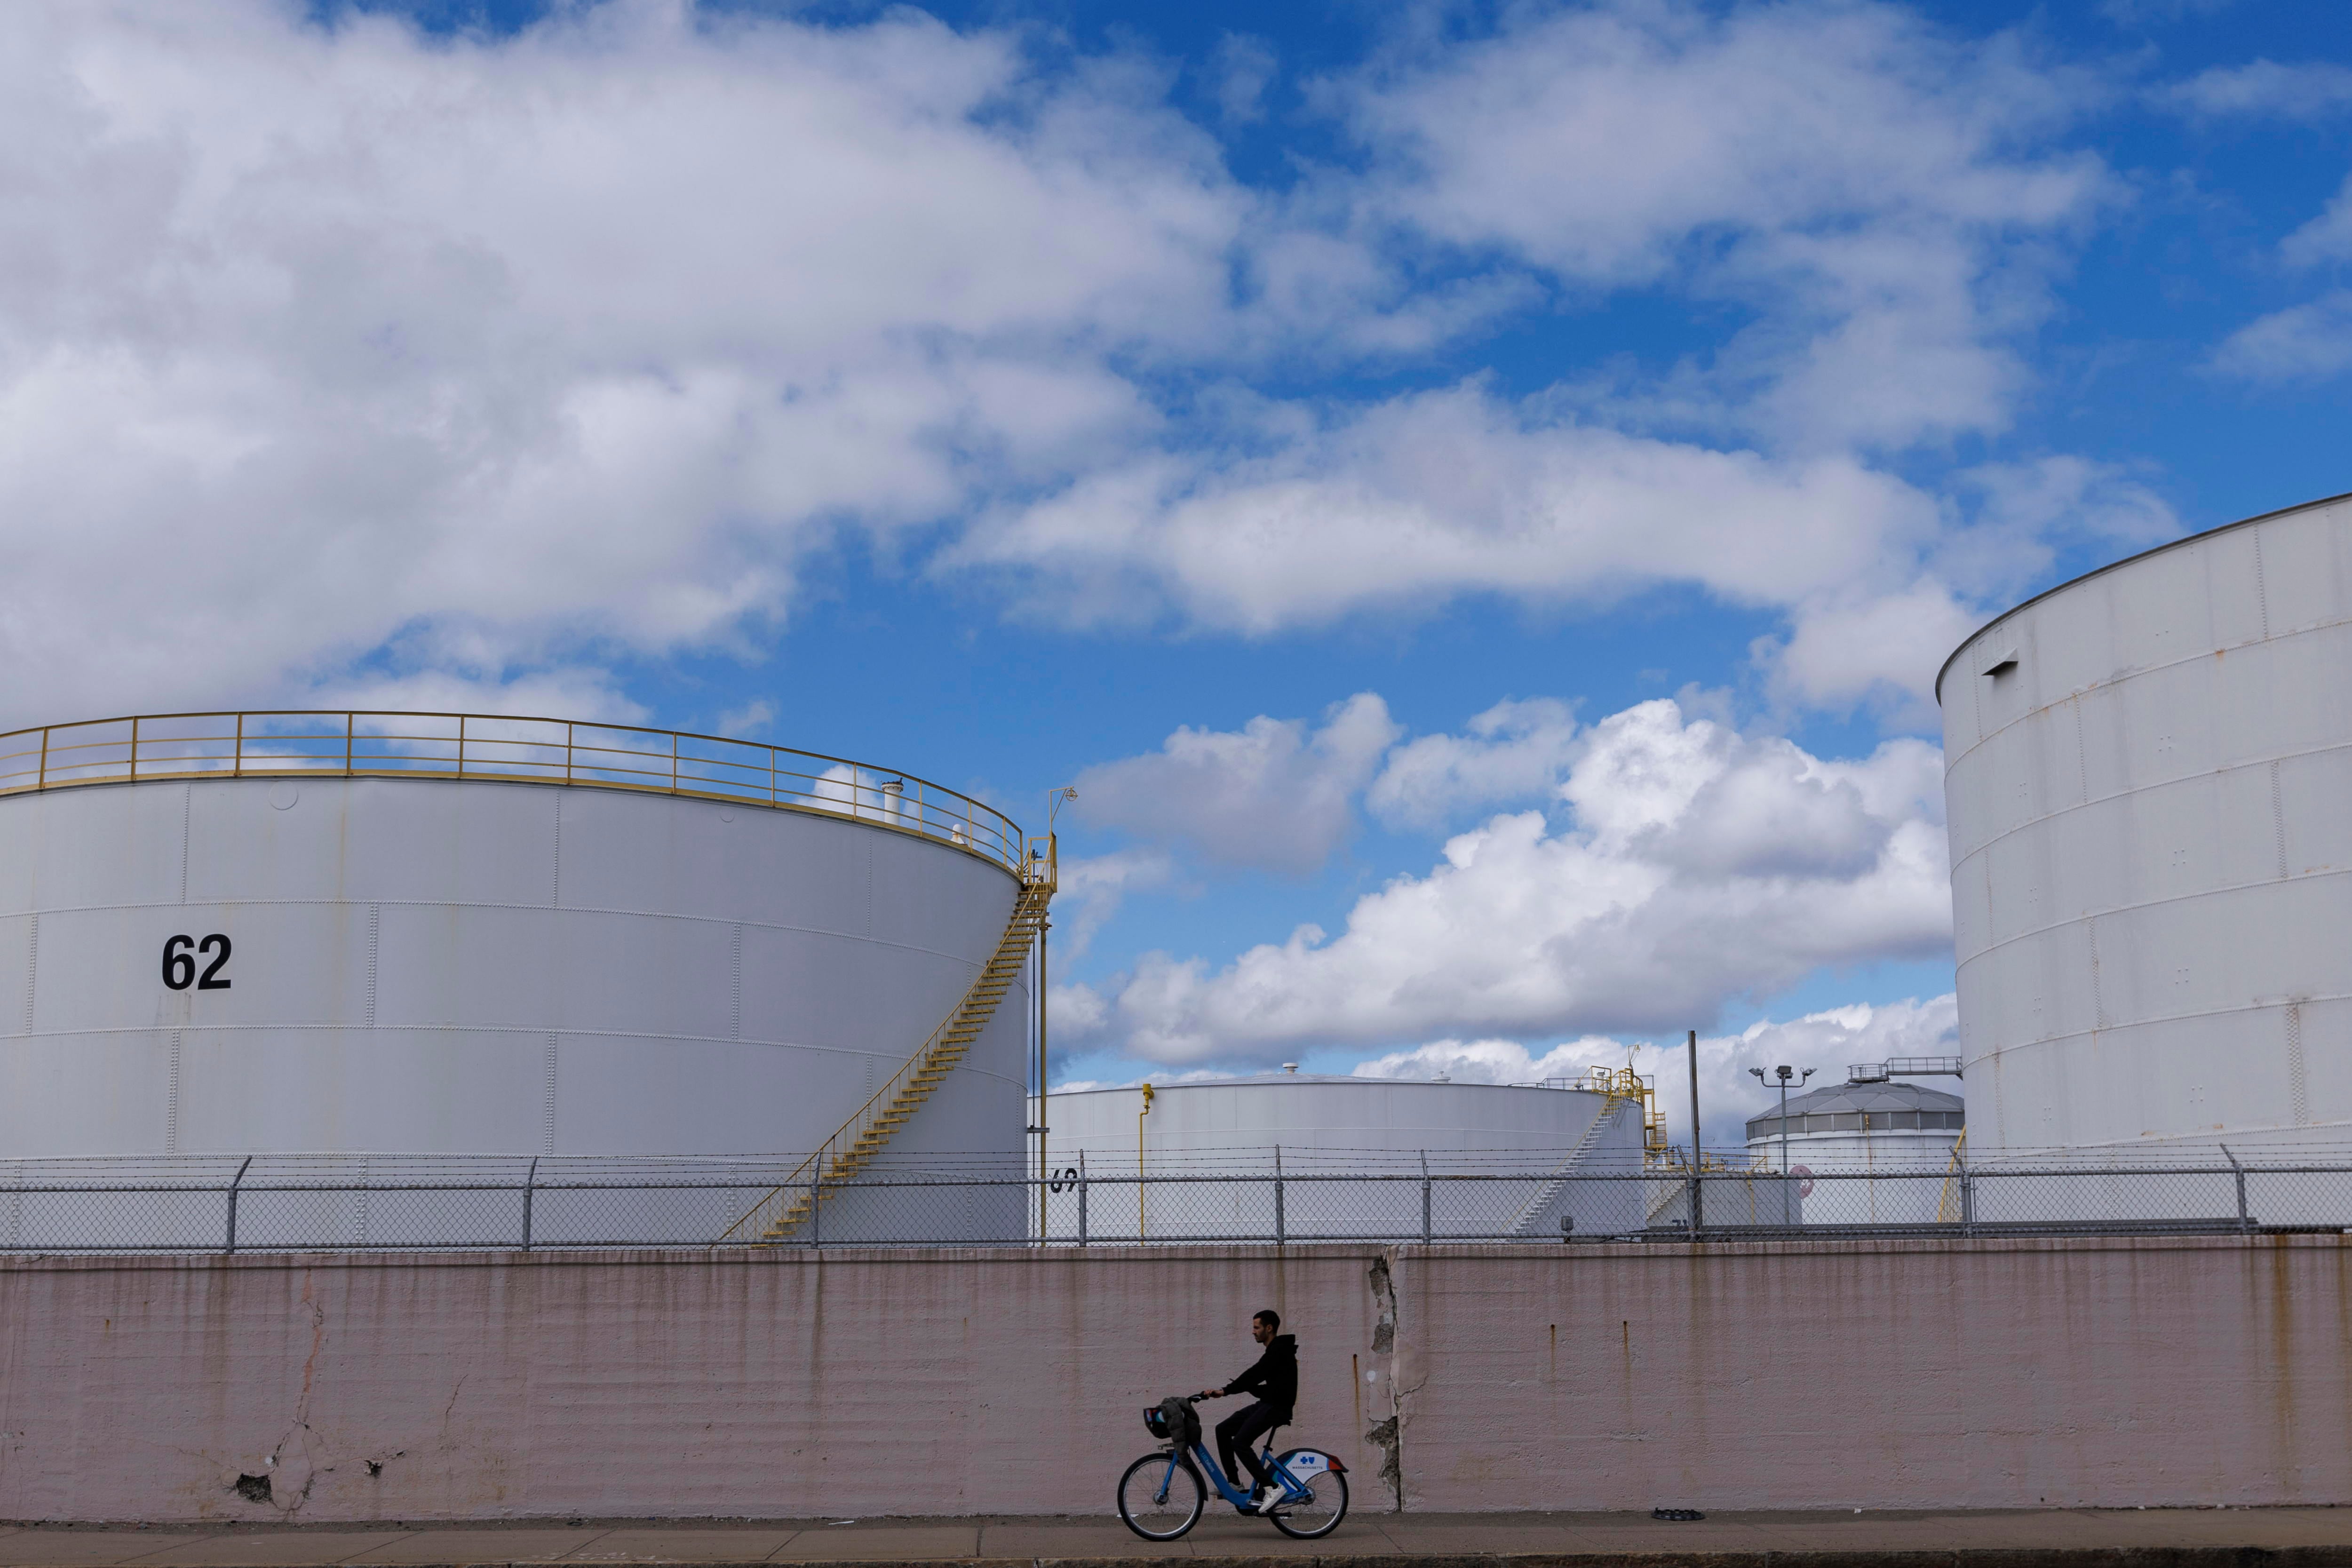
x=2148, y=771
x=394, y=934
x=1352, y=1150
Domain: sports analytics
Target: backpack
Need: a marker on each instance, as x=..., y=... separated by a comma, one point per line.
x=1174, y=1419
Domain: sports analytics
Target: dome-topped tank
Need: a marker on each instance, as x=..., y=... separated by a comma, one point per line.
x=1870, y=1151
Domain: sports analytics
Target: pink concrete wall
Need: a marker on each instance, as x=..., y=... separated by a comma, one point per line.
x=1877, y=1375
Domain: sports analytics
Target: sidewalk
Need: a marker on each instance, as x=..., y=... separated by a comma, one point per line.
x=2008, y=1540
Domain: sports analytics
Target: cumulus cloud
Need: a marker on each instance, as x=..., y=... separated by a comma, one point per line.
x=319, y=338
x=326, y=346
x=1865, y=186
x=1828, y=1041
x=1438, y=494
x=1847, y=167
x=1701, y=865
x=1273, y=793
x=1513, y=750
x=2302, y=342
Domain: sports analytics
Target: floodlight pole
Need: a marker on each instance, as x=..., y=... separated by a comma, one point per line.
x=1781, y=1075
x=1696, y=1159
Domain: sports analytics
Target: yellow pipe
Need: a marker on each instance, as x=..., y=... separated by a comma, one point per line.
x=1138, y=1160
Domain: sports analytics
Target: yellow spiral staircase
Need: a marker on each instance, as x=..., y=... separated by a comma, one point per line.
x=839, y=1162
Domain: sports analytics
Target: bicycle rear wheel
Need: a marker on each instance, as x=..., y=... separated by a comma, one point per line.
x=1159, y=1503
x=1325, y=1506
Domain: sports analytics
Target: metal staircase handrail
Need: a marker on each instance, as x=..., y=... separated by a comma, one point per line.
x=1039, y=879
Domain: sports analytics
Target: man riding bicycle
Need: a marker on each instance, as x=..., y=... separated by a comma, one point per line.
x=1274, y=1381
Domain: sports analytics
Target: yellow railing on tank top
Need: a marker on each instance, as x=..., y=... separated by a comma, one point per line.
x=358, y=744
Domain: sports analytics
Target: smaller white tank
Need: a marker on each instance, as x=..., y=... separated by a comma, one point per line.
x=1350, y=1153
x=1870, y=1151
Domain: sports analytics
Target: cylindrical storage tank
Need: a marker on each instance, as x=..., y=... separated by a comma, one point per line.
x=2145, y=776
x=263, y=944
x=1350, y=1152
x=1866, y=1152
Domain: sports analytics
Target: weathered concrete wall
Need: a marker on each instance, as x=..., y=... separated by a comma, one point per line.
x=1876, y=1375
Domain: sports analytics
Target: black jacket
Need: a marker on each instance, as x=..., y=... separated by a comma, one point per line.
x=1275, y=1378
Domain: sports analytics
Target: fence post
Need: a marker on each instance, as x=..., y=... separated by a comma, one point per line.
x=1425, y=1198
x=1280, y=1231
x=530, y=1180
x=1967, y=1200
x=234, y=1182
x=1082, y=1197
x=2245, y=1224
x=816, y=1201
x=1698, y=1212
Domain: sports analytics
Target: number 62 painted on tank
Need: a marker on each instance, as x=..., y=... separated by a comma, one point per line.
x=180, y=967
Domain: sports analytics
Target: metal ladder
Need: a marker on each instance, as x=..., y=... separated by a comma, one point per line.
x=840, y=1158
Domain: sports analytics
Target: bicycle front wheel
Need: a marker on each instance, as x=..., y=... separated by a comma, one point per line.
x=1160, y=1496
x=1319, y=1514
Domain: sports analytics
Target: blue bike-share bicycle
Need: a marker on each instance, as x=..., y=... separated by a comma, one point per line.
x=1162, y=1493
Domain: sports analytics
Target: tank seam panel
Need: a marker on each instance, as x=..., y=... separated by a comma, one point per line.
x=2262, y=582
x=535, y=1029
x=2297, y=1100
x=2106, y=911
x=2134, y=673
x=2225, y=768
x=2161, y=1018
x=547, y=1115
x=964, y=959
x=2278, y=820
x=172, y=1102
x=32, y=967
x=187, y=807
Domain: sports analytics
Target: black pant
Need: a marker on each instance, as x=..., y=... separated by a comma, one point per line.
x=1244, y=1426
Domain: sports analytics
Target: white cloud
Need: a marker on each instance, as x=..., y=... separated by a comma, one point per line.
x=1846, y=167
x=752, y=718
x=1093, y=887
x=2328, y=237
x=1271, y=794
x=1515, y=750
x=1702, y=866
x=2307, y=92
x=2302, y=342
x=566, y=692
x=314, y=337
x=1243, y=66
x=1828, y=1041
x=332, y=347
x=1438, y=494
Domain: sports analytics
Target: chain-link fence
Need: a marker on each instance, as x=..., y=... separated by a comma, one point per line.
x=291, y=1205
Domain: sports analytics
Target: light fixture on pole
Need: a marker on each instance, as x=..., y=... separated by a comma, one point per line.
x=1781, y=1076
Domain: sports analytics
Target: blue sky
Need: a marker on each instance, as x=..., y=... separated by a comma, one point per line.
x=1473, y=495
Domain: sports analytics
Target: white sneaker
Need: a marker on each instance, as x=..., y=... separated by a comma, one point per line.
x=1267, y=1496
